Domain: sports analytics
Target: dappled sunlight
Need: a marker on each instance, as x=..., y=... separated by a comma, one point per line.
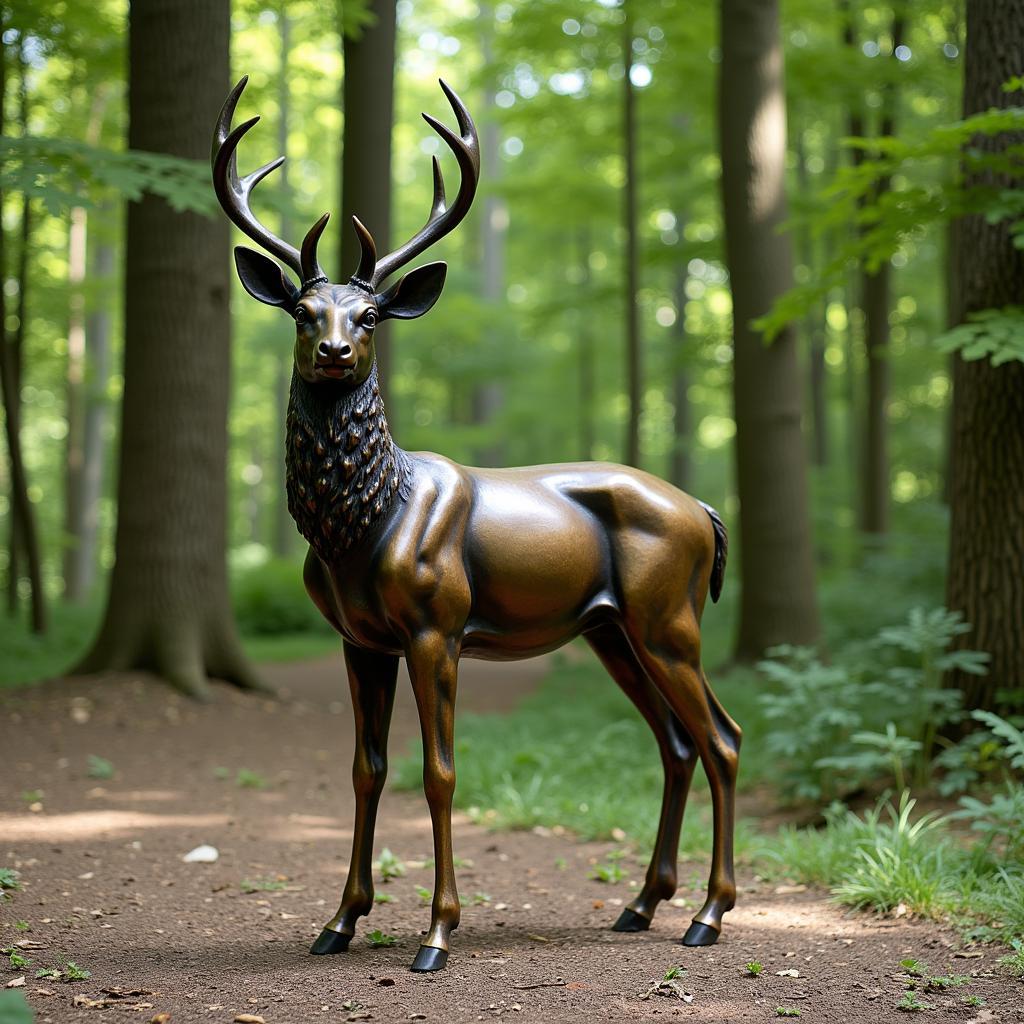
x=106, y=824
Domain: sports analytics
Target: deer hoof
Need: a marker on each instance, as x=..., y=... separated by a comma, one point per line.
x=699, y=934
x=631, y=921
x=330, y=941
x=429, y=958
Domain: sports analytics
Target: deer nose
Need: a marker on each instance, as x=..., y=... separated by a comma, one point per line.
x=336, y=351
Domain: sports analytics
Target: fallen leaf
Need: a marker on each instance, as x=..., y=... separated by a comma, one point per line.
x=159, y=1018
x=16, y=982
x=128, y=993
x=788, y=890
x=29, y=944
x=538, y=938
x=599, y=904
x=81, y=1000
x=968, y=954
x=360, y=1015
x=249, y=1018
x=44, y=991
x=791, y=973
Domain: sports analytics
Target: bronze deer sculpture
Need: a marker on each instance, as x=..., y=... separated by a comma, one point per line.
x=413, y=555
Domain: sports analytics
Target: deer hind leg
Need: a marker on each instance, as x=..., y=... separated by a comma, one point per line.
x=671, y=657
x=678, y=758
x=433, y=661
x=371, y=679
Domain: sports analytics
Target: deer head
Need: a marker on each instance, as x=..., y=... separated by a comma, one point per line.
x=334, y=322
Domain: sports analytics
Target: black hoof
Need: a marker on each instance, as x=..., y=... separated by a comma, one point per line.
x=429, y=958
x=330, y=941
x=700, y=935
x=631, y=921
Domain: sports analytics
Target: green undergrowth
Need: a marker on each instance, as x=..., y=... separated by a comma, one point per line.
x=893, y=860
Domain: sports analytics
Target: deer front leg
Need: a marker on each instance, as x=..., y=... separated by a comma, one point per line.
x=433, y=667
x=371, y=678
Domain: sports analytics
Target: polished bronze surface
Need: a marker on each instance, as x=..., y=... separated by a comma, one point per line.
x=412, y=555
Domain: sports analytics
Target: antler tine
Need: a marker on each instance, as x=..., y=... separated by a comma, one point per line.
x=310, y=264
x=233, y=192
x=443, y=218
x=363, y=277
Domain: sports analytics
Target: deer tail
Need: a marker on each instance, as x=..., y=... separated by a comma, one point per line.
x=721, y=551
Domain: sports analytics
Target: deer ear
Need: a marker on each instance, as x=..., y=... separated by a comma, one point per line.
x=263, y=279
x=412, y=295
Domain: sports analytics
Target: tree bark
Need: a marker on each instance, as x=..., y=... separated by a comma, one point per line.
x=23, y=534
x=168, y=608
x=368, y=105
x=985, y=580
x=778, y=602
x=877, y=302
x=587, y=383
x=634, y=369
x=680, y=465
x=489, y=396
x=814, y=329
x=79, y=552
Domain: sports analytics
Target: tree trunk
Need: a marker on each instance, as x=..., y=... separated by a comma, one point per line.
x=168, y=608
x=587, y=384
x=985, y=581
x=634, y=371
x=97, y=342
x=814, y=329
x=680, y=464
x=78, y=553
x=778, y=602
x=282, y=541
x=877, y=302
x=489, y=396
x=24, y=535
x=368, y=105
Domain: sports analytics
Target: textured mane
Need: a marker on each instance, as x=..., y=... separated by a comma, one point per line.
x=343, y=469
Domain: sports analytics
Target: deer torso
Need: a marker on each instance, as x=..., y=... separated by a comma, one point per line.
x=515, y=562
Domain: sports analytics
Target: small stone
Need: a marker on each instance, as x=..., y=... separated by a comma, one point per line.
x=204, y=854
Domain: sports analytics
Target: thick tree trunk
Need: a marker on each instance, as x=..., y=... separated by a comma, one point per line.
x=168, y=608
x=368, y=105
x=986, y=553
x=23, y=535
x=778, y=602
x=634, y=368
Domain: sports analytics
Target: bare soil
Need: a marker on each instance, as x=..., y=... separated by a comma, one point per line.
x=105, y=886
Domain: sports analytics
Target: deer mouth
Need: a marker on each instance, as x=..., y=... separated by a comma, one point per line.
x=333, y=371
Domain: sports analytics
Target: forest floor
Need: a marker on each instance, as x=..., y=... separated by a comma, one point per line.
x=267, y=783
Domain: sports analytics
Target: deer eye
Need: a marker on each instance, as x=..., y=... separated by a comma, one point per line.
x=301, y=317
x=369, y=319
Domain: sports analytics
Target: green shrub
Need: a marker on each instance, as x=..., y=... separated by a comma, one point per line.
x=271, y=600
x=833, y=726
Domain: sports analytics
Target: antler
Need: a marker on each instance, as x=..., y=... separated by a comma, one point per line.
x=234, y=192
x=443, y=218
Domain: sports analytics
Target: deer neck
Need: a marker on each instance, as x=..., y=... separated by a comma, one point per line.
x=344, y=472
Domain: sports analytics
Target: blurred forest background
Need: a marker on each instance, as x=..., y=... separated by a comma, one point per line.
x=844, y=177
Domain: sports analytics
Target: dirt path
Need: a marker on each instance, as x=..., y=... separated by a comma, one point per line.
x=105, y=885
